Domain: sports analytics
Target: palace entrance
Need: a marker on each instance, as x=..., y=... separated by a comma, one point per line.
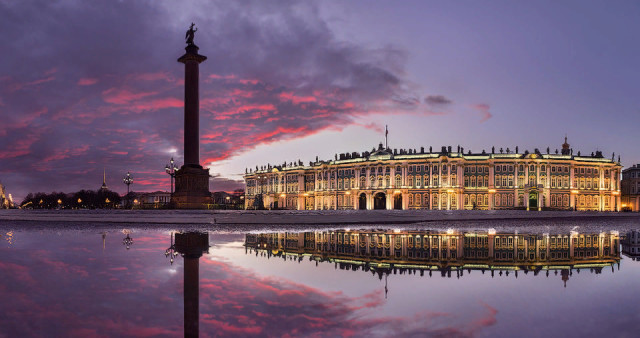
x=397, y=201
x=380, y=201
x=533, y=200
x=362, y=202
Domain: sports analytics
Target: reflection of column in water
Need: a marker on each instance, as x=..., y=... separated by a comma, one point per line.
x=191, y=245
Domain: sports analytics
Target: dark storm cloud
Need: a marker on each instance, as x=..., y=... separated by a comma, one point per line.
x=87, y=85
x=437, y=100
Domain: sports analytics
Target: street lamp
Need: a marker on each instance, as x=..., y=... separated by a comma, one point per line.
x=127, y=242
x=171, y=170
x=128, y=180
x=171, y=252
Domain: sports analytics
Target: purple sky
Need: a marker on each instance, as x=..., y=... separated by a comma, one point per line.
x=87, y=85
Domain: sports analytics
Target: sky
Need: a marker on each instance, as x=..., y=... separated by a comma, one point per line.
x=93, y=86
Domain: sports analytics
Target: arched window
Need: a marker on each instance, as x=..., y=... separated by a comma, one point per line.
x=387, y=181
x=426, y=200
x=398, y=181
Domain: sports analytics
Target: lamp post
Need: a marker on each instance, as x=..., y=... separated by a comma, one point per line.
x=127, y=241
x=171, y=252
x=171, y=170
x=128, y=180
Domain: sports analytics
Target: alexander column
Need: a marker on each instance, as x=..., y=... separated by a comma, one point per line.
x=192, y=181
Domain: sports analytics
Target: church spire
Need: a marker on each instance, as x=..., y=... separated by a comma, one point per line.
x=104, y=180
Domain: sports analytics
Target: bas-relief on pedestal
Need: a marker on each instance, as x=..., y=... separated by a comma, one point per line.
x=192, y=180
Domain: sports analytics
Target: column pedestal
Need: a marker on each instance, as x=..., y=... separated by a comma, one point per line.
x=192, y=188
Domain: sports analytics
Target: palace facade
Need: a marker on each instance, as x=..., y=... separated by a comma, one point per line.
x=423, y=250
x=445, y=180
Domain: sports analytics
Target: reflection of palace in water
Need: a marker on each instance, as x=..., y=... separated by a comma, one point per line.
x=393, y=251
x=631, y=245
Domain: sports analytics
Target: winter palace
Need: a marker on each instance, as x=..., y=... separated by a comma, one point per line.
x=444, y=180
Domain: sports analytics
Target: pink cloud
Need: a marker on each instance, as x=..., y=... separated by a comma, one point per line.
x=123, y=96
x=87, y=81
x=61, y=154
x=483, y=108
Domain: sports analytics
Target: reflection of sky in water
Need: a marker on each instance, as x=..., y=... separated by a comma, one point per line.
x=63, y=283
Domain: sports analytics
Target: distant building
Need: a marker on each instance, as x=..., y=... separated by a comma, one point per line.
x=631, y=188
x=148, y=200
x=446, y=180
x=224, y=199
x=631, y=244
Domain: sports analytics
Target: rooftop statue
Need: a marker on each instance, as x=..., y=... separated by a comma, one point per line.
x=190, y=33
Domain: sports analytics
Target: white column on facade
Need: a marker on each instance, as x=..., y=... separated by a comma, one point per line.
x=392, y=178
x=491, y=174
x=571, y=177
x=404, y=174
x=367, y=182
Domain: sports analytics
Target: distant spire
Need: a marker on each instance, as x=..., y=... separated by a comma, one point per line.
x=104, y=180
